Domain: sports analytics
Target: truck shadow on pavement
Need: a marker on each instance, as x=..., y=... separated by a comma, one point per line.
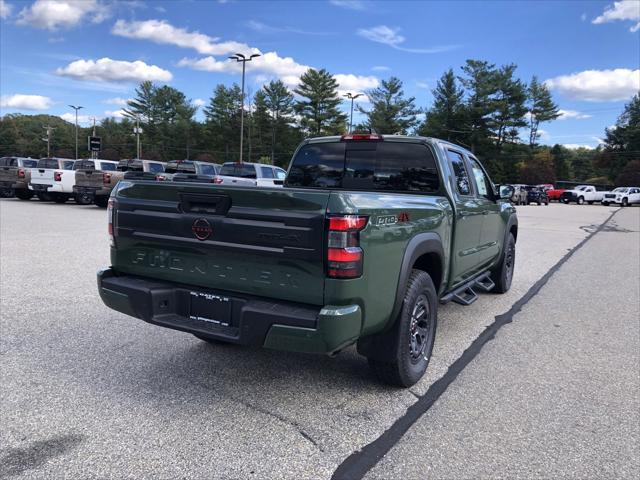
x=14, y=461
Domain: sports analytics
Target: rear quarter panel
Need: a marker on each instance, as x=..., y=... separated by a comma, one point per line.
x=384, y=241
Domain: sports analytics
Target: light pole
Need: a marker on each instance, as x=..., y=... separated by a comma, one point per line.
x=238, y=57
x=351, y=97
x=76, y=109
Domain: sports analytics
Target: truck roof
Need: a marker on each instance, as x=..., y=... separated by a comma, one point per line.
x=393, y=138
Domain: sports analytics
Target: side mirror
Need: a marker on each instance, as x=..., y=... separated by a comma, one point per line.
x=506, y=192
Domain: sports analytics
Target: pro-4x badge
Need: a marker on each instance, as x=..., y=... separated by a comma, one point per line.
x=201, y=228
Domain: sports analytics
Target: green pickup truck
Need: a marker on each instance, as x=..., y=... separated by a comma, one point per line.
x=369, y=234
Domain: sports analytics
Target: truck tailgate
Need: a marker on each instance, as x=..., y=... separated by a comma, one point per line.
x=9, y=174
x=266, y=242
x=41, y=176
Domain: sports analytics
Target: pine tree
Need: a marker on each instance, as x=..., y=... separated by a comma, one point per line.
x=279, y=102
x=561, y=159
x=479, y=79
x=391, y=112
x=541, y=108
x=319, y=104
x=508, y=109
x=222, y=117
x=446, y=117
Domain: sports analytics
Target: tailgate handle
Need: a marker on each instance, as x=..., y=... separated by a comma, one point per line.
x=204, y=203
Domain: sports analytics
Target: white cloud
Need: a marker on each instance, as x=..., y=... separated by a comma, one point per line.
x=108, y=70
x=391, y=36
x=198, y=102
x=423, y=85
x=380, y=68
x=26, y=102
x=568, y=114
x=55, y=14
x=5, y=9
x=598, y=85
x=119, y=101
x=576, y=146
x=623, y=10
x=71, y=117
x=348, y=4
x=162, y=32
x=543, y=134
x=119, y=114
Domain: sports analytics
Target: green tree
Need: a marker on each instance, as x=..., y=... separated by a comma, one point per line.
x=319, y=102
x=541, y=108
x=446, y=117
x=507, y=106
x=391, y=111
x=561, y=162
x=479, y=80
x=279, y=101
x=222, y=117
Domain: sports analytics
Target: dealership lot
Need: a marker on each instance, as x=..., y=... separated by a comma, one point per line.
x=90, y=392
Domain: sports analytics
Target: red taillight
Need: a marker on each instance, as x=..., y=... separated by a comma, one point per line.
x=57, y=176
x=362, y=136
x=216, y=180
x=344, y=255
x=21, y=173
x=111, y=212
x=106, y=178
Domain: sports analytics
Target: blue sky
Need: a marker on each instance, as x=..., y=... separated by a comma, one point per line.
x=94, y=52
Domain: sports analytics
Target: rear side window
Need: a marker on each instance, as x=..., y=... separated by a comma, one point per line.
x=208, y=169
x=266, y=172
x=156, y=167
x=68, y=164
x=462, y=177
x=238, y=170
x=382, y=165
x=109, y=167
x=29, y=163
x=48, y=163
x=12, y=162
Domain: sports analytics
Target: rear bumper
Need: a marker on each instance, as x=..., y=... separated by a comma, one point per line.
x=97, y=191
x=19, y=185
x=251, y=320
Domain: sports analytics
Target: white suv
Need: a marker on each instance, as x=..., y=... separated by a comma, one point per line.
x=625, y=196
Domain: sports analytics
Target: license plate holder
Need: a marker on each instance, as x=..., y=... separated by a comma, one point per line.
x=210, y=308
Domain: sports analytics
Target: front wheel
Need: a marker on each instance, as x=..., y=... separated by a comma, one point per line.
x=101, y=201
x=565, y=201
x=606, y=204
x=580, y=201
x=502, y=275
x=625, y=202
x=412, y=336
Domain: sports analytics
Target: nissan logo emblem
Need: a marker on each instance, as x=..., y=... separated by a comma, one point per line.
x=201, y=228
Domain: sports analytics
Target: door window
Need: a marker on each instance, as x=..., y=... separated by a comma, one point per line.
x=267, y=172
x=483, y=184
x=463, y=185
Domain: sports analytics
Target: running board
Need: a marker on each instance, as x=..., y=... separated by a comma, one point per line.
x=465, y=294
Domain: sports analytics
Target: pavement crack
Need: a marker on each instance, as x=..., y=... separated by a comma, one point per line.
x=283, y=419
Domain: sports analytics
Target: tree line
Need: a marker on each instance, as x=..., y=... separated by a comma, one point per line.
x=486, y=108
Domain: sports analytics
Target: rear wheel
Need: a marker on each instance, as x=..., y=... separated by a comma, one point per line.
x=60, y=197
x=24, y=194
x=44, y=197
x=7, y=192
x=606, y=204
x=101, y=201
x=83, y=198
x=412, y=337
x=502, y=275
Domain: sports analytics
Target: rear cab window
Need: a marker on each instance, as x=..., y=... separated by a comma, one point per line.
x=365, y=165
x=238, y=170
x=48, y=163
x=106, y=166
x=28, y=163
x=155, y=167
x=180, y=167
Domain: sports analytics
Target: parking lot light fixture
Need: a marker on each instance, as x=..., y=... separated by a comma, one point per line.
x=76, y=108
x=239, y=57
x=352, y=97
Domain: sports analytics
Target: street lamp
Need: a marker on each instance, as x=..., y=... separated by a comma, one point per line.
x=76, y=109
x=352, y=97
x=238, y=57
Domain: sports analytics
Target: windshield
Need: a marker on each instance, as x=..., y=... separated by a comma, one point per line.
x=396, y=166
x=620, y=190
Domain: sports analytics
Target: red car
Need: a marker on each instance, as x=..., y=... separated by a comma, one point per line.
x=555, y=193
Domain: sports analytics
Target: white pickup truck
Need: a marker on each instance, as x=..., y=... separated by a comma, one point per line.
x=54, y=178
x=625, y=196
x=250, y=174
x=582, y=194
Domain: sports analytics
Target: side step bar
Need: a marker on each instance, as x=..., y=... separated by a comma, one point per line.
x=465, y=294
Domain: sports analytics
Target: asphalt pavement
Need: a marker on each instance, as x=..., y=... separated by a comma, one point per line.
x=87, y=392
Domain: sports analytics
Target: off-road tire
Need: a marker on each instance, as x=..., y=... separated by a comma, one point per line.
x=24, y=194
x=502, y=275
x=412, y=335
x=101, y=201
x=83, y=198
